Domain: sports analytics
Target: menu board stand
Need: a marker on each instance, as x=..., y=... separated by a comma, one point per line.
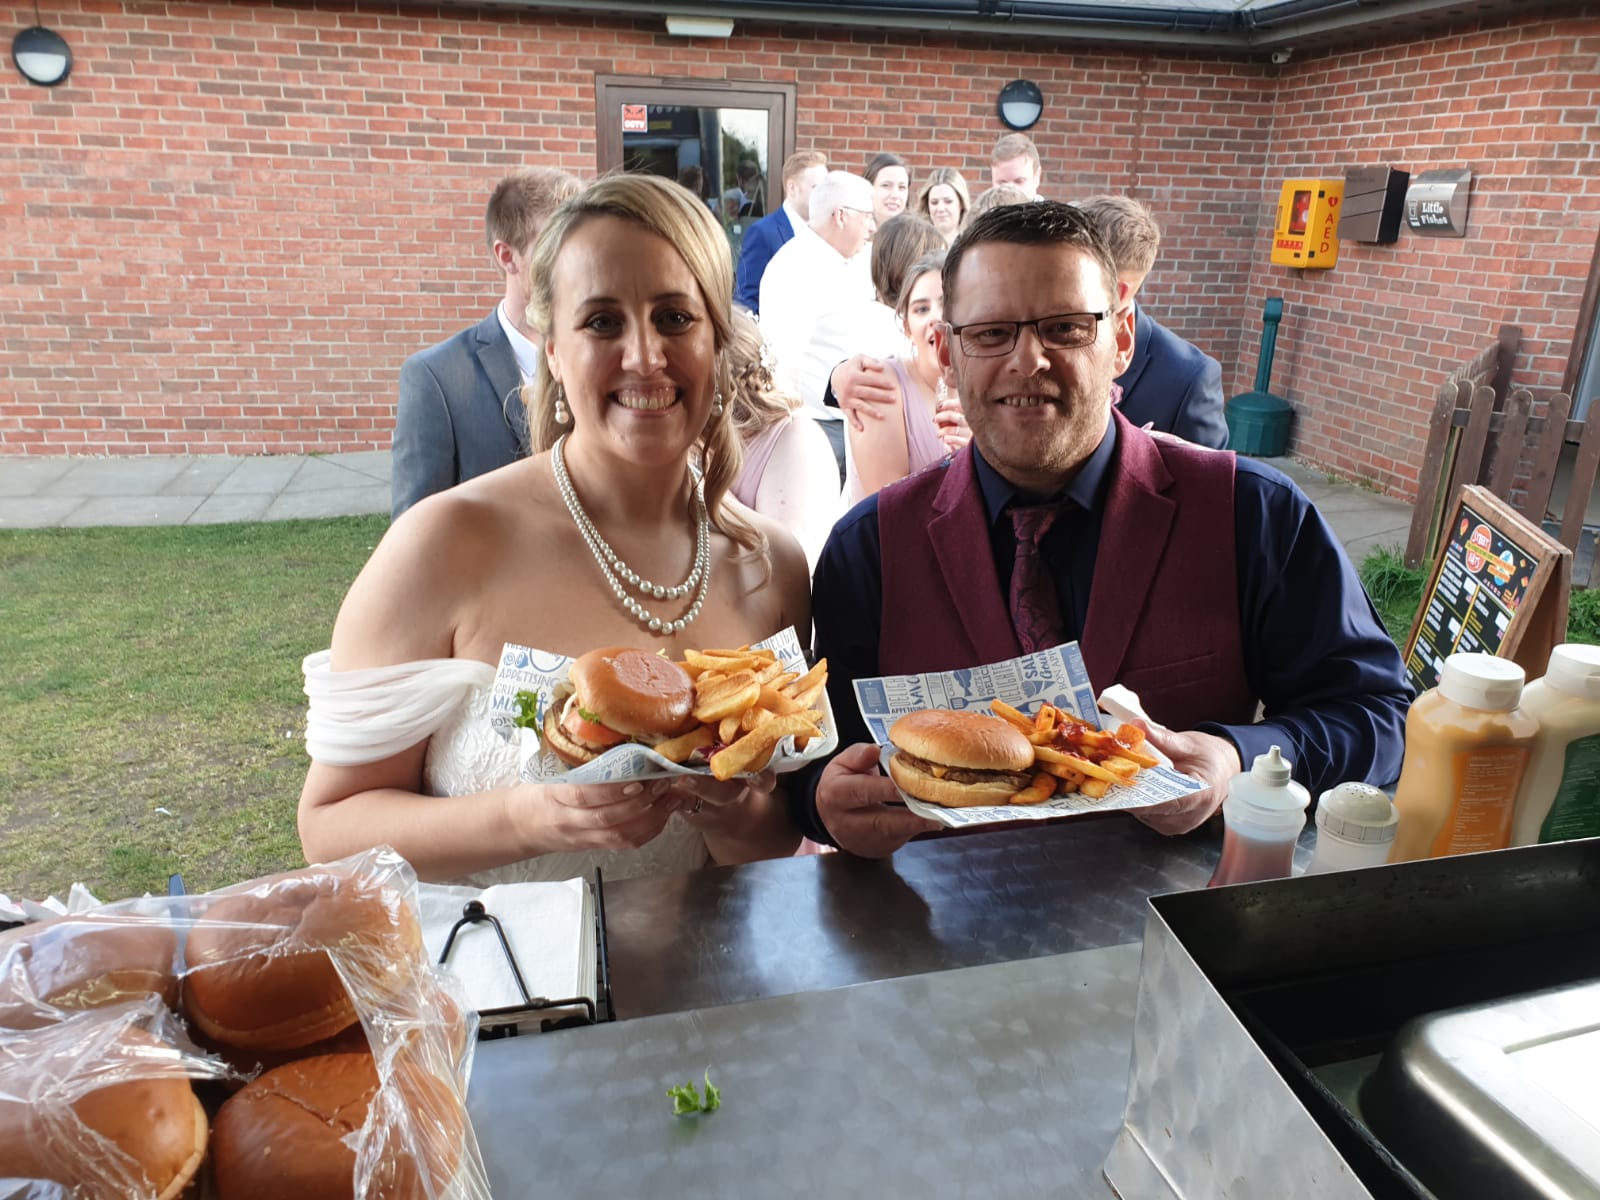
x=1499, y=585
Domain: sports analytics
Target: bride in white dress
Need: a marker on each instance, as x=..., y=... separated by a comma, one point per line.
x=631, y=287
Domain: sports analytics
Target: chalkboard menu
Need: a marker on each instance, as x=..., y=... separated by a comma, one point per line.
x=1499, y=586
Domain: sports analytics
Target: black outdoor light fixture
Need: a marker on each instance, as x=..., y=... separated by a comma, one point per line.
x=42, y=55
x=1020, y=104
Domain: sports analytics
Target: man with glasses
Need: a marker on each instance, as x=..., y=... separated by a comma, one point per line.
x=810, y=276
x=1208, y=585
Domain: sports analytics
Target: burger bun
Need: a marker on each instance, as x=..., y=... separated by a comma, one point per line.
x=978, y=758
x=635, y=692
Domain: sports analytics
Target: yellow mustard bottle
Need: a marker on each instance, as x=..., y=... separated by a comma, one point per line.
x=1467, y=746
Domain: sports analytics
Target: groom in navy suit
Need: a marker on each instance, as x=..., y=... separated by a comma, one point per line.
x=460, y=412
x=1171, y=385
x=801, y=174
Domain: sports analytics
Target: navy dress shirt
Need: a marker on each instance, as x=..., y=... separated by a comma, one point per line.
x=1333, y=689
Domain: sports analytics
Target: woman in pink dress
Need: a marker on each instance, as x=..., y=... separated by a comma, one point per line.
x=789, y=473
x=907, y=439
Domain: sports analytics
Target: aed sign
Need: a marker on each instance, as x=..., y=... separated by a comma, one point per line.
x=1307, y=229
x=1436, y=203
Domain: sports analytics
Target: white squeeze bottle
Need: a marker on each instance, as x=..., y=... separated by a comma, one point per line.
x=1560, y=796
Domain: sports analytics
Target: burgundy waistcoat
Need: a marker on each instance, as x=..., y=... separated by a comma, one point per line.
x=1163, y=614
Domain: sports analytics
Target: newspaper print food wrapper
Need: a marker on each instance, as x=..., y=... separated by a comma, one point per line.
x=541, y=671
x=1057, y=676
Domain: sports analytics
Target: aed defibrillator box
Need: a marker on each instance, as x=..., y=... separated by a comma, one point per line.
x=1307, y=232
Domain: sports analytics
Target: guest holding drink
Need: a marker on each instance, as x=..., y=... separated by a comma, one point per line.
x=635, y=451
x=907, y=438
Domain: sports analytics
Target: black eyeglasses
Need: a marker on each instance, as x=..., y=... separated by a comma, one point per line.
x=1066, y=331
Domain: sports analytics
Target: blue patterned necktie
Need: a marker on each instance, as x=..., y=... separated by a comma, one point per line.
x=1035, y=607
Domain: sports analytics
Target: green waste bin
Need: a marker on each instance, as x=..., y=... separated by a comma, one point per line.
x=1258, y=424
x=1258, y=421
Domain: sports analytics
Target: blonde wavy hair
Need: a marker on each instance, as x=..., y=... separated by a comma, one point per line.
x=754, y=401
x=672, y=212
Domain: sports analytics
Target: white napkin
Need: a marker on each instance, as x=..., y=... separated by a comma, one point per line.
x=550, y=927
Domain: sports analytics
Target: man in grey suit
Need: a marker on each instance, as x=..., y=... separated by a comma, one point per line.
x=460, y=411
x=1171, y=384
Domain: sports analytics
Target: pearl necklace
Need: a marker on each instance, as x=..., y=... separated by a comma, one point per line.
x=697, y=581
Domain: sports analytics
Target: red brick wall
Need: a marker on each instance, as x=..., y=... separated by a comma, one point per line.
x=234, y=223
x=1364, y=347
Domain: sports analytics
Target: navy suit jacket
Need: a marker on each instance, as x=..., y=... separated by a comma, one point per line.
x=460, y=414
x=1173, y=385
x=761, y=242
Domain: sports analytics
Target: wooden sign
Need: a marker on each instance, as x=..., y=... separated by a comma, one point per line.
x=1499, y=586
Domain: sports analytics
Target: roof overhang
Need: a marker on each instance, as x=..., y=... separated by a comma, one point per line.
x=1243, y=27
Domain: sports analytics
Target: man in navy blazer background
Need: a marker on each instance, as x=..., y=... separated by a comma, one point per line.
x=1171, y=384
x=460, y=413
x=802, y=172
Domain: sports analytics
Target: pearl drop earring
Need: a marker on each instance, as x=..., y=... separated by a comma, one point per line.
x=562, y=414
x=716, y=408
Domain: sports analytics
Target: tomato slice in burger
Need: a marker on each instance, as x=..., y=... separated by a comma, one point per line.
x=589, y=731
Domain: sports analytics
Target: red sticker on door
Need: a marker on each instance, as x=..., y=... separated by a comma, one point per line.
x=634, y=118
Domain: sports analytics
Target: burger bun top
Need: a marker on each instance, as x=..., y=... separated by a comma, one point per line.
x=967, y=740
x=633, y=691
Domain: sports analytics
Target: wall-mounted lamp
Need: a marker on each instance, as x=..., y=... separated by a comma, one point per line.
x=42, y=55
x=701, y=27
x=1020, y=104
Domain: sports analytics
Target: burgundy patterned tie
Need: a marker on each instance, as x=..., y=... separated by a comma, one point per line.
x=1035, y=608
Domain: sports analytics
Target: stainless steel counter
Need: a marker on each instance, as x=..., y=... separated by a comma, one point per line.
x=954, y=1020
x=729, y=934
x=1000, y=1080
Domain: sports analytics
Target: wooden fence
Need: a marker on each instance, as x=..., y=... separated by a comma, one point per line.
x=1485, y=433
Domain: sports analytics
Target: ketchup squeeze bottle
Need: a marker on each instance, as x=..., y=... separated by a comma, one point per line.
x=1263, y=816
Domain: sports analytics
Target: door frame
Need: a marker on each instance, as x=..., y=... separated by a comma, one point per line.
x=611, y=92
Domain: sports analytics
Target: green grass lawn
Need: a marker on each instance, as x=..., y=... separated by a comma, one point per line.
x=151, y=712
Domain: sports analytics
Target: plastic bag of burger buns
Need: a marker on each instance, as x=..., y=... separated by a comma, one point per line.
x=286, y=1038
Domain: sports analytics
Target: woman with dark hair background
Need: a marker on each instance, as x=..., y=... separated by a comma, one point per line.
x=890, y=177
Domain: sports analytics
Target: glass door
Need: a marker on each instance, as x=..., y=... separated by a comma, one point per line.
x=725, y=142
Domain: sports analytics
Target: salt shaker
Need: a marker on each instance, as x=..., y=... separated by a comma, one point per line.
x=1355, y=825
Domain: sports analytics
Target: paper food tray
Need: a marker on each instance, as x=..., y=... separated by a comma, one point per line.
x=1056, y=676
x=540, y=671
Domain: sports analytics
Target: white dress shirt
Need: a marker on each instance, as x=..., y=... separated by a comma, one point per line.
x=526, y=352
x=805, y=279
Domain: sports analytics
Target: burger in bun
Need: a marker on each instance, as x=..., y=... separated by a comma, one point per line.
x=283, y=1136
x=260, y=976
x=617, y=695
x=959, y=759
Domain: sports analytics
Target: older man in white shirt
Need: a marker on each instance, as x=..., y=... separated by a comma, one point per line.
x=811, y=275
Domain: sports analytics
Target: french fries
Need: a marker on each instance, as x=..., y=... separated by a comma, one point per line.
x=746, y=703
x=1037, y=792
x=753, y=751
x=679, y=749
x=1074, y=755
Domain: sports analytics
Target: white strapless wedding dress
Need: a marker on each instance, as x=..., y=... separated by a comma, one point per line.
x=365, y=715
